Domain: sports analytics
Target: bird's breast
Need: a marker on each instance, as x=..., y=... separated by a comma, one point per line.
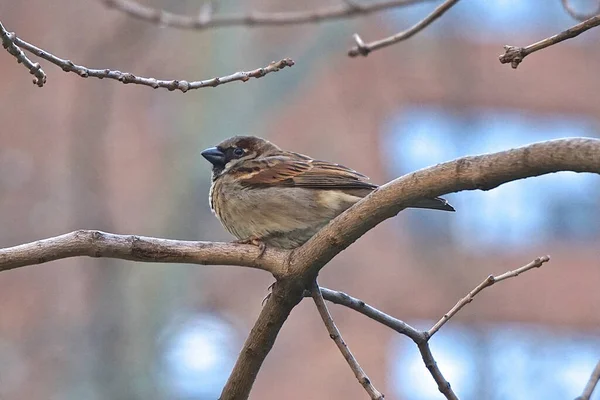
x=275, y=211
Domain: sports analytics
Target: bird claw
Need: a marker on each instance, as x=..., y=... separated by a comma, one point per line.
x=269, y=289
x=255, y=242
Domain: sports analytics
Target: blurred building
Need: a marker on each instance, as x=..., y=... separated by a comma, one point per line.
x=96, y=154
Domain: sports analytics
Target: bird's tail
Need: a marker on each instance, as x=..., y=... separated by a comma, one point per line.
x=433, y=204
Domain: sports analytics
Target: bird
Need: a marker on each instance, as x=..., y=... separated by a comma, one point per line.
x=267, y=196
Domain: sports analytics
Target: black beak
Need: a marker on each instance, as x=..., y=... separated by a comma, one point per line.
x=214, y=156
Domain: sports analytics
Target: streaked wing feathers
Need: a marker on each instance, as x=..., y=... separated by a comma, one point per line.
x=304, y=172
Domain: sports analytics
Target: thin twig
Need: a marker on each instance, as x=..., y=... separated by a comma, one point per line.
x=346, y=300
x=489, y=281
x=363, y=49
x=591, y=385
x=420, y=338
x=577, y=15
x=431, y=365
x=334, y=333
x=127, y=77
x=8, y=42
x=346, y=9
x=515, y=55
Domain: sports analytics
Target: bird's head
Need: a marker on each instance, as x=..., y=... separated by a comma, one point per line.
x=235, y=150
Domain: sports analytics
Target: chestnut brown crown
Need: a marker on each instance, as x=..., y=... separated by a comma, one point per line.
x=237, y=148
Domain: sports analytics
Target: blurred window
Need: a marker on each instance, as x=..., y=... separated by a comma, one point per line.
x=198, y=356
x=519, y=214
x=497, y=362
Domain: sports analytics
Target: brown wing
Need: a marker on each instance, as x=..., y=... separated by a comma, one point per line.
x=304, y=172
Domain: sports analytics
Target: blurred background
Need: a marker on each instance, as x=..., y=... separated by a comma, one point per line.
x=126, y=159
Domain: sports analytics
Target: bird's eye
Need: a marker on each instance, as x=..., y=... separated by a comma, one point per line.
x=238, y=152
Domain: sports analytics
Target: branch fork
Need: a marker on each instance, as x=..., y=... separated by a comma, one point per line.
x=297, y=270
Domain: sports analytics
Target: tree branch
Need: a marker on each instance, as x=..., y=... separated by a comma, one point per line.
x=515, y=55
x=13, y=44
x=483, y=172
x=591, y=385
x=489, y=281
x=93, y=243
x=336, y=336
x=295, y=270
x=346, y=9
x=363, y=49
x=286, y=294
x=431, y=365
x=420, y=338
x=35, y=69
x=360, y=306
x=577, y=15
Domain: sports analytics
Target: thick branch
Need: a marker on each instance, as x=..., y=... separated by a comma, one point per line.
x=489, y=281
x=591, y=385
x=363, y=49
x=208, y=20
x=336, y=336
x=515, y=55
x=483, y=172
x=12, y=43
x=286, y=294
x=94, y=243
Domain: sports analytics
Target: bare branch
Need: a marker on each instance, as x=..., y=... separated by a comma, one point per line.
x=591, y=385
x=363, y=49
x=296, y=269
x=577, y=15
x=35, y=69
x=483, y=172
x=93, y=243
x=515, y=55
x=345, y=299
x=431, y=365
x=286, y=294
x=420, y=338
x=336, y=336
x=347, y=9
x=127, y=77
x=489, y=281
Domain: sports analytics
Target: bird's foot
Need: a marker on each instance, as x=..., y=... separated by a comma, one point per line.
x=269, y=291
x=255, y=242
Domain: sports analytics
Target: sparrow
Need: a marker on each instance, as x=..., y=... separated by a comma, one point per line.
x=267, y=196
